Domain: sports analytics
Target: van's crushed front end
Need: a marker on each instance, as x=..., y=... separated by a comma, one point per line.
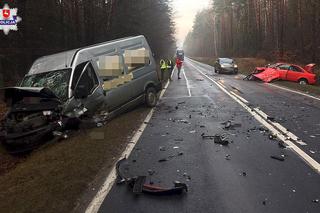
x=33, y=114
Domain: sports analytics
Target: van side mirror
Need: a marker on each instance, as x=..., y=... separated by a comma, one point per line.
x=81, y=92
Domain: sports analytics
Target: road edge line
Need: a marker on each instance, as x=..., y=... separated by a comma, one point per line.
x=294, y=91
x=105, y=188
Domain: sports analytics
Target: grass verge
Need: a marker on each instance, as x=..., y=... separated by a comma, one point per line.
x=54, y=177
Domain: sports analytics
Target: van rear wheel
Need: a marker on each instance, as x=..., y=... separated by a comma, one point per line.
x=151, y=97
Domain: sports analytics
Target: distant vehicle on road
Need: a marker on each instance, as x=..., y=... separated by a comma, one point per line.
x=69, y=86
x=180, y=55
x=225, y=65
x=287, y=72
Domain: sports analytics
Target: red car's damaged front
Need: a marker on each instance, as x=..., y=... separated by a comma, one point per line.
x=287, y=72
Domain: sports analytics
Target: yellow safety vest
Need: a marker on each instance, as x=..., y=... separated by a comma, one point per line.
x=163, y=64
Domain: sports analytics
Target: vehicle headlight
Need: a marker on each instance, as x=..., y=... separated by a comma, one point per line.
x=223, y=66
x=235, y=66
x=47, y=113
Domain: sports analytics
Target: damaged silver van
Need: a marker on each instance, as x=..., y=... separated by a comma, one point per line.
x=61, y=89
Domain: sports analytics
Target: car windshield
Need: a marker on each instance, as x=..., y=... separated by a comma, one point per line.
x=226, y=61
x=57, y=81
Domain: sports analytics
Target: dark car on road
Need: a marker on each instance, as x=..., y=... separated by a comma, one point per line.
x=180, y=54
x=225, y=65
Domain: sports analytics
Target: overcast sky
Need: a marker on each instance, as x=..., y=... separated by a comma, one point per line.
x=185, y=11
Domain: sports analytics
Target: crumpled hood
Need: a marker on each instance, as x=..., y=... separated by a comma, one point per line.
x=260, y=69
x=268, y=75
x=16, y=94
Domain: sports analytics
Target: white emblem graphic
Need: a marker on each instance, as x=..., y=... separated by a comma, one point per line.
x=9, y=19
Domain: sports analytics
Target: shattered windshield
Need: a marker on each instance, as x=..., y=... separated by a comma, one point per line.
x=226, y=61
x=56, y=81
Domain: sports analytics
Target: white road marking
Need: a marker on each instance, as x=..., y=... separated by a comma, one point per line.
x=188, y=85
x=294, y=91
x=110, y=179
x=262, y=119
x=242, y=99
x=174, y=69
x=281, y=128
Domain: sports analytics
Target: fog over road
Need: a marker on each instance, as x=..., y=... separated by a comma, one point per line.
x=240, y=177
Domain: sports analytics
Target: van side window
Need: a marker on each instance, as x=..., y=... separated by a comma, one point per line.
x=111, y=70
x=89, y=80
x=135, y=59
x=110, y=67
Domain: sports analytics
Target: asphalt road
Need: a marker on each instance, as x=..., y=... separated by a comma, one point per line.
x=240, y=177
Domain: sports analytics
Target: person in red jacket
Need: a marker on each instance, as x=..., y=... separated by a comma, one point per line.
x=179, y=65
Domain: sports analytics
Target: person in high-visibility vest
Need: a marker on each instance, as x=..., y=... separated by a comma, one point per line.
x=170, y=68
x=163, y=67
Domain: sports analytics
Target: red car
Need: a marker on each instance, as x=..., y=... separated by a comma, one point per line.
x=287, y=72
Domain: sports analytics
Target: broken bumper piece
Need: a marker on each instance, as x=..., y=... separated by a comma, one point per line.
x=139, y=186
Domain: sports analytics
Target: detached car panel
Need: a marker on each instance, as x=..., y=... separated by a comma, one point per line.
x=61, y=89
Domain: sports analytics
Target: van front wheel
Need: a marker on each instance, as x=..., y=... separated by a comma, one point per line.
x=151, y=97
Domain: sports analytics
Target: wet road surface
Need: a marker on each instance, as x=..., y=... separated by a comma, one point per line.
x=240, y=177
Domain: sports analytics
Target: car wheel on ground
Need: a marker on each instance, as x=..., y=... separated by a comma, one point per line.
x=151, y=97
x=303, y=81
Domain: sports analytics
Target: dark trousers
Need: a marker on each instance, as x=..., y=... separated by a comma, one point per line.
x=162, y=74
x=170, y=73
x=179, y=70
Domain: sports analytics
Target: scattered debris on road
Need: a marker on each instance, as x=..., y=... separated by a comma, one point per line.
x=162, y=148
x=218, y=139
x=139, y=185
x=170, y=157
x=272, y=137
x=162, y=160
x=188, y=177
x=244, y=174
x=282, y=145
x=228, y=125
x=279, y=158
x=270, y=118
x=228, y=157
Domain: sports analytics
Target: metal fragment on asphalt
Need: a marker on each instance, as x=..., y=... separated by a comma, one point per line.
x=279, y=158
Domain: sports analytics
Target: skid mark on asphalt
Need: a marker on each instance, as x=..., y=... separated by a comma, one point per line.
x=281, y=132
